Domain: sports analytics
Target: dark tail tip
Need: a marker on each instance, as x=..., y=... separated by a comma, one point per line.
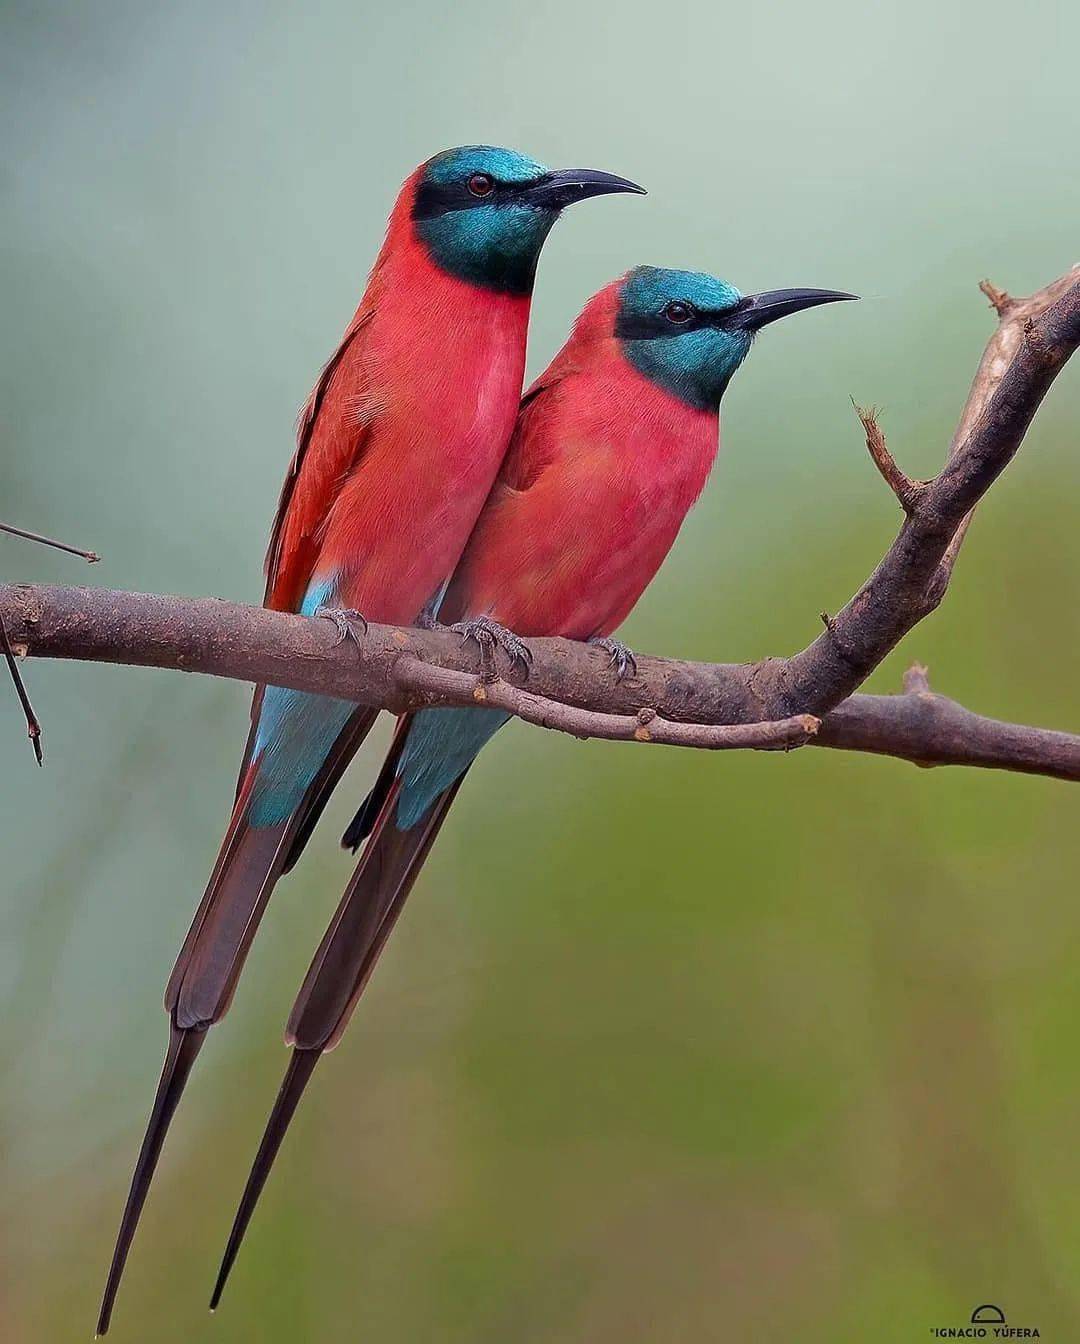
x=300, y=1069
x=363, y=823
x=184, y=1046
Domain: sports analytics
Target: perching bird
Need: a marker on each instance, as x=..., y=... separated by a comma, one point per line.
x=613, y=445
x=397, y=449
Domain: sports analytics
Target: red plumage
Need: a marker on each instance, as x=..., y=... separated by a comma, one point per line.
x=401, y=438
x=602, y=468
x=397, y=448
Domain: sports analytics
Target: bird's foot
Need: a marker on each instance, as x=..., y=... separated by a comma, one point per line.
x=345, y=621
x=622, y=656
x=489, y=635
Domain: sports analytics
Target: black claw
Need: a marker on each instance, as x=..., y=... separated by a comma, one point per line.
x=622, y=656
x=489, y=636
x=345, y=622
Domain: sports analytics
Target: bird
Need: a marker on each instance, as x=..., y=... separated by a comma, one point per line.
x=397, y=448
x=613, y=445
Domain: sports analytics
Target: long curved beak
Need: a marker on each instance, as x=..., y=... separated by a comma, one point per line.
x=555, y=191
x=758, y=310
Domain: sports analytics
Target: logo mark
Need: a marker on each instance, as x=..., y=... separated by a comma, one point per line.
x=988, y=1314
x=987, y=1321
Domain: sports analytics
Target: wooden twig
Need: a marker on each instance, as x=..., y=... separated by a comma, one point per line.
x=33, y=724
x=929, y=730
x=1032, y=343
x=441, y=685
x=91, y=556
x=1000, y=301
x=903, y=487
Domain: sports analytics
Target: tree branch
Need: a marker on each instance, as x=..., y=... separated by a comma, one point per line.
x=33, y=723
x=450, y=687
x=1033, y=341
x=929, y=729
x=571, y=687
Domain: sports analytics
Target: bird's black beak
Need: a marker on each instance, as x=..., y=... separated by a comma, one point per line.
x=555, y=191
x=758, y=310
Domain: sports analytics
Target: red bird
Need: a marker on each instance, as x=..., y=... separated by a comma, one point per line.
x=613, y=445
x=397, y=448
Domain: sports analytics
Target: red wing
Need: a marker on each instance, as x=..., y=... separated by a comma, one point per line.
x=330, y=436
x=531, y=449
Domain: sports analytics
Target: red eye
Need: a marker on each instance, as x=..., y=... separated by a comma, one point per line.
x=481, y=185
x=678, y=312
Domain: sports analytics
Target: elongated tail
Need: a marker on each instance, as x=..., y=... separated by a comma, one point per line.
x=350, y=949
x=200, y=989
x=184, y=1046
x=367, y=815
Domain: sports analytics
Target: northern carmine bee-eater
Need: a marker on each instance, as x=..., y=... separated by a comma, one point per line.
x=613, y=445
x=397, y=449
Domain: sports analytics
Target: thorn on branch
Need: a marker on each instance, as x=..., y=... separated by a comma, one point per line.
x=906, y=490
x=830, y=625
x=999, y=299
x=33, y=726
x=916, y=679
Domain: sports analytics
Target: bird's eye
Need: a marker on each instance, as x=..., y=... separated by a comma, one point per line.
x=678, y=312
x=480, y=184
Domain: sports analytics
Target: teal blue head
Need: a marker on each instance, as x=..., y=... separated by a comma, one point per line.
x=483, y=213
x=689, y=332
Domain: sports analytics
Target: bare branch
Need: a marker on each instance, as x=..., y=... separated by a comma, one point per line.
x=929, y=729
x=646, y=725
x=903, y=487
x=571, y=688
x=1030, y=347
x=1000, y=301
x=1014, y=329
x=91, y=556
x=33, y=725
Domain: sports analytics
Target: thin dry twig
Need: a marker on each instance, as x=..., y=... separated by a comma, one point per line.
x=91, y=556
x=930, y=730
x=903, y=487
x=1000, y=301
x=33, y=725
x=443, y=684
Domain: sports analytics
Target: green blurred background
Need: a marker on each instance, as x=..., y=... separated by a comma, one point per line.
x=668, y=1046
